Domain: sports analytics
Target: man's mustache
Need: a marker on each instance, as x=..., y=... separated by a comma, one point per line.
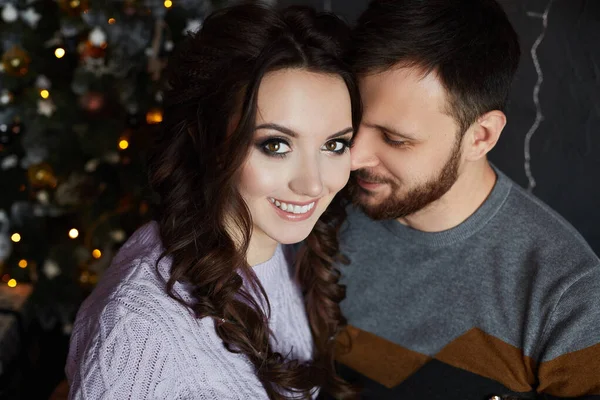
x=370, y=177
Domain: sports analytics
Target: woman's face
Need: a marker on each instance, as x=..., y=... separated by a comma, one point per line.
x=300, y=157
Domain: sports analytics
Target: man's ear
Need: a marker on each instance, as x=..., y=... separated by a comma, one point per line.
x=483, y=135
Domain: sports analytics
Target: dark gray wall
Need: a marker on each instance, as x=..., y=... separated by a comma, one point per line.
x=562, y=60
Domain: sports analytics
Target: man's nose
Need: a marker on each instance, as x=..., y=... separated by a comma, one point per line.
x=363, y=152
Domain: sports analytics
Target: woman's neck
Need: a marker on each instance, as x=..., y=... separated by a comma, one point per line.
x=260, y=249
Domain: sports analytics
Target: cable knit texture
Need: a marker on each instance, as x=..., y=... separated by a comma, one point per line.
x=132, y=341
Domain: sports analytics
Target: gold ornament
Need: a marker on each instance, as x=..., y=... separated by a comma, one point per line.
x=154, y=116
x=74, y=7
x=41, y=176
x=16, y=61
x=88, y=50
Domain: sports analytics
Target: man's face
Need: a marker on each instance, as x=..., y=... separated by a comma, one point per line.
x=407, y=152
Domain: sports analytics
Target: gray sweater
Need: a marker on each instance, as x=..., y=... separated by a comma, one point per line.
x=506, y=302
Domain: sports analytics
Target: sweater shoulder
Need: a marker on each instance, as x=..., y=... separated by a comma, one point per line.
x=545, y=229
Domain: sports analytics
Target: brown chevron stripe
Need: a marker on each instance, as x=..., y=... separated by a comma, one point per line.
x=582, y=368
x=476, y=351
x=488, y=356
x=378, y=359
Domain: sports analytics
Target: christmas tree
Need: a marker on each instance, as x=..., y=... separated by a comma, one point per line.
x=80, y=93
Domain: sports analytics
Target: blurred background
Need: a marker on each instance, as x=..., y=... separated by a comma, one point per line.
x=80, y=95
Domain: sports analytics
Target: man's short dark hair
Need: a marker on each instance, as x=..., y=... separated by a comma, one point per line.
x=470, y=44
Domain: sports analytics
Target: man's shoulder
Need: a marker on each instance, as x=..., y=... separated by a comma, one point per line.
x=532, y=221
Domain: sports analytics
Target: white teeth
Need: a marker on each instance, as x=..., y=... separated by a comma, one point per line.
x=294, y=209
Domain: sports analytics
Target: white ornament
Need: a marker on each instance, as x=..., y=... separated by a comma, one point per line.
x=5, y=97
x=193, y=25
x=97, y=37
x=43, y=197
x=112, y=157
x=33, y=155
x=5, y=247
x=9, y=13
x=46, y=107
x=42, y=82
x=5, y=243
x=118, y=235
x=69, y=30
x=51, y=269
x=10, y=162
x=67, y=329
x=91, y=165
x=31, y=17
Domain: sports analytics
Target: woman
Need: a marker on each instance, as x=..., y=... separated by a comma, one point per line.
x=204, y=304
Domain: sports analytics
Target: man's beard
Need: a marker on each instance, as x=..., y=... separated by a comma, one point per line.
x=396, y=206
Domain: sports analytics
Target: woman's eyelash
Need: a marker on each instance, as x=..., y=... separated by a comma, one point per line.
x=272, y=146
x=347, y=143
x=273, y=152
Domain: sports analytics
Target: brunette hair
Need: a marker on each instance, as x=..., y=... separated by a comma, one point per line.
x=215, y=75
x=470, y=44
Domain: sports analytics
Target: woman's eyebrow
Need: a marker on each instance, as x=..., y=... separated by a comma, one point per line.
x=293, y=134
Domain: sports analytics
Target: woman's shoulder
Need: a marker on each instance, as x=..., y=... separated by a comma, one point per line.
x=138, y=349
x=130, y=336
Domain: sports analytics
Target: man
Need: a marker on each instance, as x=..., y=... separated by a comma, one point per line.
x=460, y=284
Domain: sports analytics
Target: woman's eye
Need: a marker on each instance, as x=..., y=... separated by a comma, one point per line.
x=337, y=146
x=275, y=147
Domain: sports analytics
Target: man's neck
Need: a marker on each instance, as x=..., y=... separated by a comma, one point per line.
x=465, y=197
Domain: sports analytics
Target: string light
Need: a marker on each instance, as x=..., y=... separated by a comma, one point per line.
x=123, y=144
x=73, y=233
x=168, y=3
x=16, y=237
x=60, y=52
x=154, y=116
x=23, y=263
x=12, y=283
x=96, y=253
x=111, y=21
x=44, y=93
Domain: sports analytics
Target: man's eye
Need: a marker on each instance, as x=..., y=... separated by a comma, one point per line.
x=393, y=143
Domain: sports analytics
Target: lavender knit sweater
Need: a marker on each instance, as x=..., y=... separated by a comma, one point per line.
x=132, y=341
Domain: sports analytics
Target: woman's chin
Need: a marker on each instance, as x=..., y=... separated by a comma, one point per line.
x=291, y=237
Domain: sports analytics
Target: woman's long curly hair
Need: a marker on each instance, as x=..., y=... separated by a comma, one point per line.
x=209, y=120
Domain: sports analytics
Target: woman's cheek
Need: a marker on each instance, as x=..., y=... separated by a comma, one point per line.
x=338, y=172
